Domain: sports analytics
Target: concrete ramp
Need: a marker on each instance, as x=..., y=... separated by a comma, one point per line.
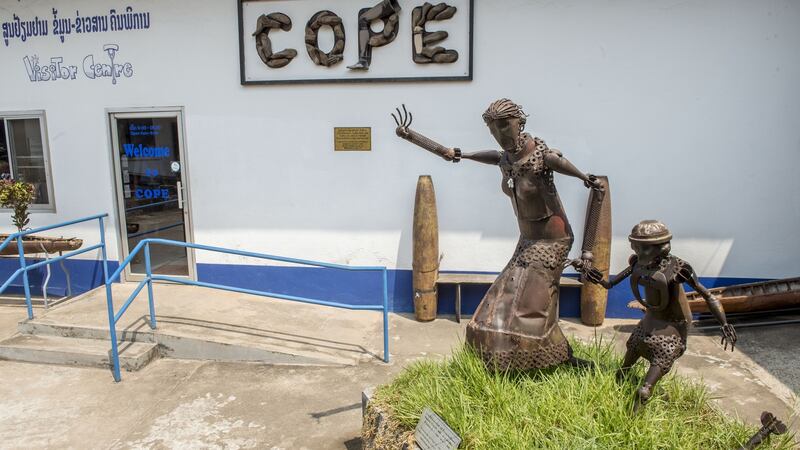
x=206, y=324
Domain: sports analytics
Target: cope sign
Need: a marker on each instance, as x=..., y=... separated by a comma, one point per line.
x=415, y=33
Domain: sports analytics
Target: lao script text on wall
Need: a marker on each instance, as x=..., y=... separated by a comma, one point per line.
x=23, y=28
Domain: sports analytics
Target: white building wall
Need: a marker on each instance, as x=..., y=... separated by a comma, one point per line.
x=691, y=108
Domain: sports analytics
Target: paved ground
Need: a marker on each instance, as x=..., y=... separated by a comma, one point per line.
x=193, y=404
x=9, y=317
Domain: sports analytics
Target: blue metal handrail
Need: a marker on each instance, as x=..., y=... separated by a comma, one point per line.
x=24, y=268
x=144, y=245
x=113, y=317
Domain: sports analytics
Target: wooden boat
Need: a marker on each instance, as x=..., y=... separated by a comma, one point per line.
x=750, y=297
x=41, y=244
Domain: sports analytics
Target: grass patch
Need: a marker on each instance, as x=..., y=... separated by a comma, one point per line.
x=562, y=407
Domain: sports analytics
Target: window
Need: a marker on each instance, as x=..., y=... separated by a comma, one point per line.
x=24, y=156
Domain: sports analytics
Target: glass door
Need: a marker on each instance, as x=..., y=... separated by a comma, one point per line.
x=151, y=189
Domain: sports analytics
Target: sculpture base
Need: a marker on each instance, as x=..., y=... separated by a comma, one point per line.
x=501, y=350
x=553, y=408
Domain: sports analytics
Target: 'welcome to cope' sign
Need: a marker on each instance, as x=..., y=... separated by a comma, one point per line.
x=309, y=41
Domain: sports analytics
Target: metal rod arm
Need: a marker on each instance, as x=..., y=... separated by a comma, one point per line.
x=424, y=142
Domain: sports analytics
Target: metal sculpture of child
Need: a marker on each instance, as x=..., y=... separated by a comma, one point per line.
x=660, y=337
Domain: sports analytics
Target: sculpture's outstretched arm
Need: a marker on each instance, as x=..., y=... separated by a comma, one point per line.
x=555, y=161
x=558, y=163
x=728, y=333
x=403, y=121
x=593, y=275
x=485, y=156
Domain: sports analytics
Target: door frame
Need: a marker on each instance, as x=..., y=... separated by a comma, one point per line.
x=119, y=198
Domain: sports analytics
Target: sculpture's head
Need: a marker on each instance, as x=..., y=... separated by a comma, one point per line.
x=650, y=239
x=506, y=120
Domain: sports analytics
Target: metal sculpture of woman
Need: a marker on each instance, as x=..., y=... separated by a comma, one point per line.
x=516, y=323
x=660, y=337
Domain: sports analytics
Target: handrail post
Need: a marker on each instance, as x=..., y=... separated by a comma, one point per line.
x=385, y=316
x=149, y=273
x=112, y=324
x=112, y=331
x=22, y=264
x=102, y=225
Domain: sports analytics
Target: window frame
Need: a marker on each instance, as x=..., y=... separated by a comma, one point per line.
x=5, y=116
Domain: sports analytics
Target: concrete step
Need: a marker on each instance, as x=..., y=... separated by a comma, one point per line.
x=197, y=341
x=75, y=351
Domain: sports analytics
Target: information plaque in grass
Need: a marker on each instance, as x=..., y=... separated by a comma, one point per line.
x=560, y=408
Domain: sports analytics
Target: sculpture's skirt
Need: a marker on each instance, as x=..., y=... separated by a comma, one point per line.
x=516, y=324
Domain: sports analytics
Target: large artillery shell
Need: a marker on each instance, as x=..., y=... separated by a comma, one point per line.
x=593, y=297
x=426, y=250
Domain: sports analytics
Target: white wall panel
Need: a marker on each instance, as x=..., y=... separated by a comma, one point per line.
x=691, y=108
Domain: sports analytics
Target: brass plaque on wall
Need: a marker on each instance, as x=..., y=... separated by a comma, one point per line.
x=357, y=139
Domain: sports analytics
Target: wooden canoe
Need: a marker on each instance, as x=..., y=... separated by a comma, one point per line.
x=40, y=244
x=750, y=297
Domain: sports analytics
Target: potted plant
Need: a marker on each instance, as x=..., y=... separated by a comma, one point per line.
x=18, y=196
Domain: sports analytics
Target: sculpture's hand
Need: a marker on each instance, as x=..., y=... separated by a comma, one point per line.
x=449, y=154
x=593, y=275
x=587, y=271
x=593, y=182
x=403, y=132
x=728, y=336
x=403, y=121
x=586, y=263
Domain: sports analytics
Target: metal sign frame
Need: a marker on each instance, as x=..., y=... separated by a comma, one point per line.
x=245, y=82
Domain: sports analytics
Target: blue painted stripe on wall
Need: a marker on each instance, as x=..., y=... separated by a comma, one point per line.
x=364, y=288
x=85, y=275
x=361, y=288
